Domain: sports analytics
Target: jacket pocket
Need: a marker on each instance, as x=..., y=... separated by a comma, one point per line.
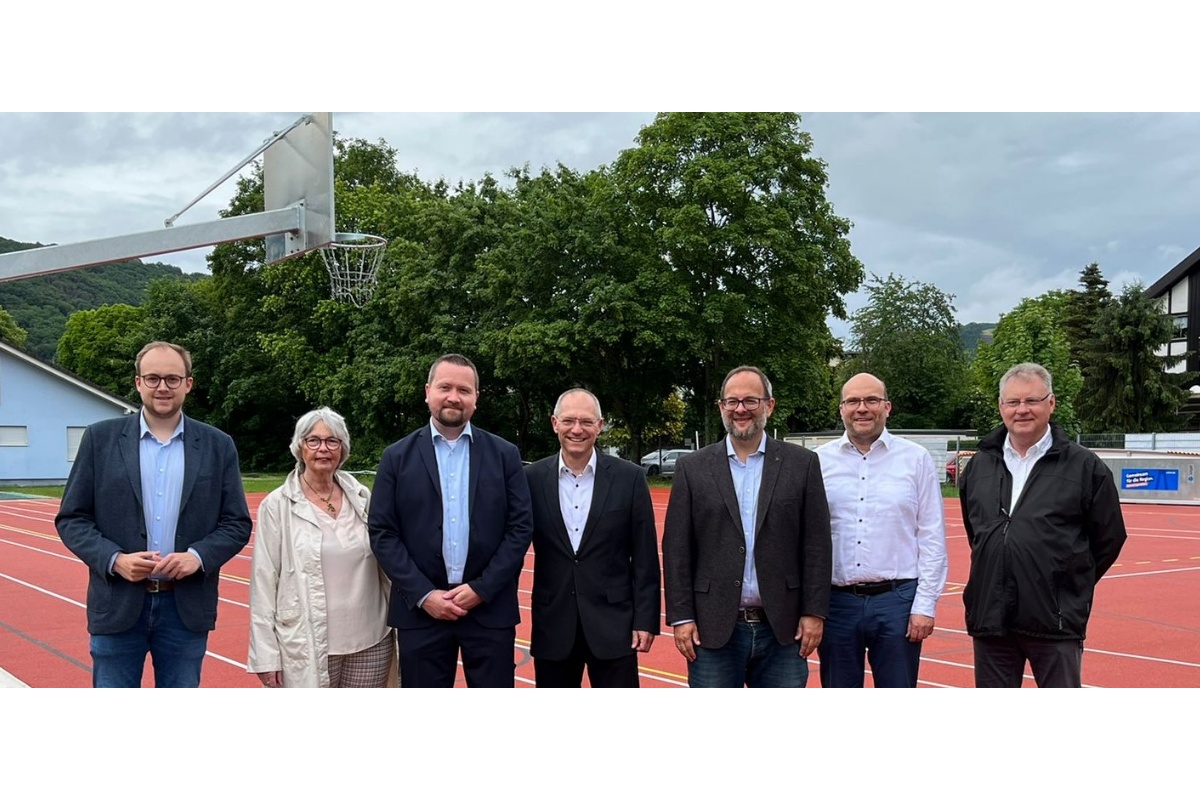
x=619, y=594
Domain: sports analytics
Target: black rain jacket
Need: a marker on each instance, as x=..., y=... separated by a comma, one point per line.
x=1034, y=567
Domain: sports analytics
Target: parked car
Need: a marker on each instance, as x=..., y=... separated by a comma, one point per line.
x=661, y=462
x=952, y=465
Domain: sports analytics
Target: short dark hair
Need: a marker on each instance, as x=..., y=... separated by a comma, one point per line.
x=746, y=368
x=458, y=361
x=183, y=353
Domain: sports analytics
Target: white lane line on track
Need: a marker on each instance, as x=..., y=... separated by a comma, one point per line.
x=1149, y=572
x=23, y=546
x=1136, y=656
x=43, y=591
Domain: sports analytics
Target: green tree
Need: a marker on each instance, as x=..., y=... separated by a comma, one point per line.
x=1083, y=308
x=10, y=331
x=734, y=206
x=1030, y=332
x=100, y=345
x=908, y=337
x=1127, y=385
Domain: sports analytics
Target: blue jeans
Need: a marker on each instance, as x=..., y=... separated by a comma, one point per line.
x=876, y=627
x=751, y=658
x=177, y=653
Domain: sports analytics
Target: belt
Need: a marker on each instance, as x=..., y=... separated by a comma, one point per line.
x=154, y=587
x=869, y=589
x=751, y=615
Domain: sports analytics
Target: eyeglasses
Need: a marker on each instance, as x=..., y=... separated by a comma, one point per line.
x=1030, y=402
x=315, y=442
x=869, y=402
x=586, y=424
x=749, y=403
x=172, y=381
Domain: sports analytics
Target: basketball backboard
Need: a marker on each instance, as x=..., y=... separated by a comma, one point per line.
x=298, y=170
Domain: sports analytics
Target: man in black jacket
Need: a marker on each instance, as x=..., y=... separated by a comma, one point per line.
x=1044, y=523
x=596, y=599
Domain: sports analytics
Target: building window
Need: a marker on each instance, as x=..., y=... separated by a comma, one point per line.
x=1180, y=321
x=74, y=437
x=14, y=436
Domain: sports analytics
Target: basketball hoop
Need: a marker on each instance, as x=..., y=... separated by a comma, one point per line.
x=352, y=260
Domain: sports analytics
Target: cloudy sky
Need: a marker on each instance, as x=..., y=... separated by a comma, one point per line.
x=991, y=207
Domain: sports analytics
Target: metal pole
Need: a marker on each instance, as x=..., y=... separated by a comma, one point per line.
x=307, y=118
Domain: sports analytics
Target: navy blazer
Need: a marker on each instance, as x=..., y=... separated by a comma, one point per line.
x=704, y=545
x=405, y=524
x=101, y=515
x=611, y=586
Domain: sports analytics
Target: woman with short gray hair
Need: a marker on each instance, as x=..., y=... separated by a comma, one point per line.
x=318, y=600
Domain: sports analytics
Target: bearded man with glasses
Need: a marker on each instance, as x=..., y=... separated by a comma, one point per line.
x=1044, y=522
x=746, y=549
x=154, y=505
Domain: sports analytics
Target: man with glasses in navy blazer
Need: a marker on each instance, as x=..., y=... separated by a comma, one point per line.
x=154, y=505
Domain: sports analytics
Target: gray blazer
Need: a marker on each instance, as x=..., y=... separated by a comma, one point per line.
x=101, y=514
x=704, y=546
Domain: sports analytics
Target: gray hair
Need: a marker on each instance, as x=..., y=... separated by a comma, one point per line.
x=1028, y=371
x=558, y=403
x=304, y=426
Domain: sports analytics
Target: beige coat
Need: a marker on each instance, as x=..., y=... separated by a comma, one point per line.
x=287, y=586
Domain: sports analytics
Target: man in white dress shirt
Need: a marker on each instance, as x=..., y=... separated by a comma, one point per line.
x=889, y=545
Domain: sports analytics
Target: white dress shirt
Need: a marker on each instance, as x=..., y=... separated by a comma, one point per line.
x=575, y=497
x=887, y=517
x=1020, y=467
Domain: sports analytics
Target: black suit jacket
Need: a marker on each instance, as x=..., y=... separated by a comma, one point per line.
x=611, y=586
x=405, y=523
x=101, y=514
x=704, y=549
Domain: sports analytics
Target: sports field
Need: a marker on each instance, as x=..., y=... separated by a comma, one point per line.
x=1144, y=632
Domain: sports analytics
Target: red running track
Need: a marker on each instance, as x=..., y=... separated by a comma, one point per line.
x=1144, y=631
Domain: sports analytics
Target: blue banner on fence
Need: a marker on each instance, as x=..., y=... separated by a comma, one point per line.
x=1150, y=480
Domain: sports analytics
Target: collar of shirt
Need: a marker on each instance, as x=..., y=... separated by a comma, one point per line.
x=589, y=467
x=467, y=432
x=729, y=451
x=1037, y=450
x=144, y=429
x=885, y=439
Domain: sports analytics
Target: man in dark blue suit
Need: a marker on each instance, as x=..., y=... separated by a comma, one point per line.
x=154, y=505
x=450, y=523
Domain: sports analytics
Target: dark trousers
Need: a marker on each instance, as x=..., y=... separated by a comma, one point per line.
x=429, y=656
x=870, y=628
x=1000, y=662
x=603, y=673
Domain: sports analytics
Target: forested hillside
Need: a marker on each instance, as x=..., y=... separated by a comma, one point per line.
x=972, y=333
x=41, y=305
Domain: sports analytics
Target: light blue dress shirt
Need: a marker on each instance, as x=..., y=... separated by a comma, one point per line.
x=747, y=480
x=454, y=471
x=162, y=486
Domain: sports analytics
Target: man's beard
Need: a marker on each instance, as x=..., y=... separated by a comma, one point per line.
x=757, y=424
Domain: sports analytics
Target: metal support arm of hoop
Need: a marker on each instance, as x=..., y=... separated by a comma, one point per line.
x=352, y=260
